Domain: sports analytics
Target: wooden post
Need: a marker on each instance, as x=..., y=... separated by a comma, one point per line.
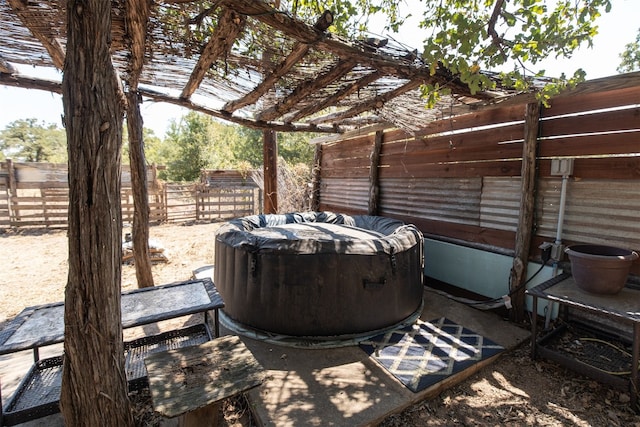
x=13, y=194
x=374, y=184
x=270, y=156
x=316, y=178
x=518, y=274
x=141, y=255
x=94, y=386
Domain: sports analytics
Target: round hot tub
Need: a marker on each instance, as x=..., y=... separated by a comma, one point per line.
x=319, y=274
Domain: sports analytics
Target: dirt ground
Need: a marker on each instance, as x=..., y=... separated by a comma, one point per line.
x=513, y=391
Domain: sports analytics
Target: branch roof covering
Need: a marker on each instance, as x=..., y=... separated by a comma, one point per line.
x=245, y=62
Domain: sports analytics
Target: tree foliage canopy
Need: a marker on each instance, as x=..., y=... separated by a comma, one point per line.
x=631, y=56
x=28, y=140
x=196, y=142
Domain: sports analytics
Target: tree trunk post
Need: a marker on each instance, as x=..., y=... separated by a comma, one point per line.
x=524, y=232
x=94, y=385
x=141, y=256
x=374, y=184
x=270, y=156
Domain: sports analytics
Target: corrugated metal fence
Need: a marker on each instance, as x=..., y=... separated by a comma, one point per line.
x=459, y=179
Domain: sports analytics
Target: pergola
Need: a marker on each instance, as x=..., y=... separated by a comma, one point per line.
x=243, y=61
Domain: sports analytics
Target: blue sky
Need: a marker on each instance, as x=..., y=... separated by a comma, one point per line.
x=617, y=28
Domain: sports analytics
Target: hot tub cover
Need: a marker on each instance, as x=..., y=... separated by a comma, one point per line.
x=319, y=232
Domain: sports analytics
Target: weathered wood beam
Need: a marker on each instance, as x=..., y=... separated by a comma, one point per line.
x=306, y=88
x=374, y=181
x=137, y=160
x=524, y=231
x=392, y=65
x=604, y=84
x=336, y=97
x=372, y=104
x=53, y=46
x=298, y=51
x=316, y=178
x=137, y=17
x=15, y=80
x=6, y=67
x=253, y=124
x=304, y=33
x=270, y=166
x=230, y=25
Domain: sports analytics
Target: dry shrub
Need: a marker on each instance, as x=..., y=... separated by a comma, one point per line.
x=294, y=186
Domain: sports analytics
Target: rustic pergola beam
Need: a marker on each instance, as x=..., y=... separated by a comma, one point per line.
x=373, y=104
x=387, y=64
x=53, y=46
x=6, y=67
x=304, y=33
x=230, y=25
x=298, y=51
x=16, y=80
x=137, y=17
x=336, y=97
x=306, y=88
x=253, y=124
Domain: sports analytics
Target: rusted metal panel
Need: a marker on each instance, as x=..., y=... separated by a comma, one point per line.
x=500, y=203
x=604, y=211
x=597, y=211
x=352, y=194
x=445, y=199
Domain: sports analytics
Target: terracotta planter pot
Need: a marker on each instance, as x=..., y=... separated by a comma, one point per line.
x=600, y=269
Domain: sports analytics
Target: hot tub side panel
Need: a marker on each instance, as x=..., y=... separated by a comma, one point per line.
x=319, y=294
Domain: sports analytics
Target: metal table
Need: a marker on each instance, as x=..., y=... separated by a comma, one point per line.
x=43, y=325
x=624, y=306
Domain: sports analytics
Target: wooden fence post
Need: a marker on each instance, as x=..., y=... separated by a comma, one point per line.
x=518, y=274
x=13, y=194
x=374, y=183
x=140, y=191
x=270, y=156
x=315, y=178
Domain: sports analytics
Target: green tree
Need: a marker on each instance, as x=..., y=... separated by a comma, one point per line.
x=28, y=140
x=190, y=136
x=150, y=142
x=194, y=142
x=197, y=142
x=631, y=56
x=293, y=147
x=248, y=147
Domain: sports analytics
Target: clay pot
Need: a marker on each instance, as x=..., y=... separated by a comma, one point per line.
x=600, y=269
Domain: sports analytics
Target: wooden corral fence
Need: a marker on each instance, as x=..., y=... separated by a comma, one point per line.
x=37, y=195
x=226, y=194
x=459, y=180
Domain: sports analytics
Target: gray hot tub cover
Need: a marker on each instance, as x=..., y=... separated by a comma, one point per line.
x=319, y=232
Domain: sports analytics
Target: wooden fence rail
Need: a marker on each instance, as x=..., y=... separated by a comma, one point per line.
x=36, y=195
